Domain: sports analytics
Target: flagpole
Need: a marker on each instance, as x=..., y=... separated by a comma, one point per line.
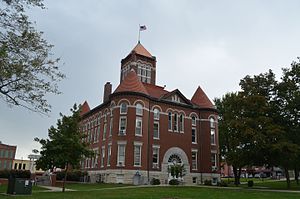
x=139, y=33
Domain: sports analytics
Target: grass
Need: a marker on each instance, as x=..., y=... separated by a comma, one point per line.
x=88, y=191
x=3, y=188
x=267, y=184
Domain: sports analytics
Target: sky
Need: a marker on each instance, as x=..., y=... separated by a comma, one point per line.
x=212, y=44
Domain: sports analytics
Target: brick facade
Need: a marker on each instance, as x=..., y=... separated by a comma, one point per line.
x=7, y=155
x=142, y=129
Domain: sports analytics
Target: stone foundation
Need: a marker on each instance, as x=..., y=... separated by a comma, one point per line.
x=140, y=177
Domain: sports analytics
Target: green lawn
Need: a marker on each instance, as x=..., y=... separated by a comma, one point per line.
x=178, y=192
x=81, y=187
x=3, y=188
x=267, y=184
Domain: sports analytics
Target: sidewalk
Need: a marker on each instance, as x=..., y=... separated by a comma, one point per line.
x=53, y=189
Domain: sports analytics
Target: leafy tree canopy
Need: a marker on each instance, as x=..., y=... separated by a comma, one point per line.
x=27, y=69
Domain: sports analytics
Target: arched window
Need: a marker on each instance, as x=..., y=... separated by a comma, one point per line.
x=123, y=108
x=212, y=122
x=139, y=109
x=212, y=131
x=175, y=122
x=170, y=121
x=175, y=159
x=156, y=114
x=181, y=123
x=194, y=121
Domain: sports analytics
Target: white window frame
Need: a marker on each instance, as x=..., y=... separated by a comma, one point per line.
x=156, y=113
x=121, y=108
x=156, y=137
x=176, y=122
x=194, y=166
x=170, y=122
x=213, y=136
x=111, y=126
x=215, y=160
x=119, y=162
x=138, y=120
x=102, y=156
x=104, y=131
x=139, y=109
x=137, y=159
x=195, y=130
x=122, y=131
x=194, y=120
x=108, y=154
x=181, y=123
x=155, y=165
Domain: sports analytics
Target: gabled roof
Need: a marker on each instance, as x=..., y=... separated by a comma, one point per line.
x=141, y=50
x=155, y=91
x=84, y=108
x=131, y=83
x=174, y=92
x=200, y=99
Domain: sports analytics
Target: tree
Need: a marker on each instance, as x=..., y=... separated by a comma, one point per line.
x=64, y=148
x=27, y=70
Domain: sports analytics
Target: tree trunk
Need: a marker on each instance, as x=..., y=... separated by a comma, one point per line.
x=237, y=174
x=65, y=178
x=296, y=175
x=287, y=176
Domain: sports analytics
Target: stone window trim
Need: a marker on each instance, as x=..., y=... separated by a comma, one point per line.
x=139, y=120
x=158, y=133
x=122, y=127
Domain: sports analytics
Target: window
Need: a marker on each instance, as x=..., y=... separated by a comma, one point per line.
x=144, y=73
x=138, y=126
x=194, y=136
x=212, y=131
x=16, y=166
x=194, y=121
x=181, y=123
x=108, y=155
x=155, y=157
x=194, y=160
x=121, y=155
x=103, y=156
x=170, y=121
x=122, y=126
x=123, y=108
x=175, y=122
x=156, y=114
x=137, y=155
x=104, y=131
x=139, y=109
x=95, y=135
x=156, y=130
x=214, y=160
x=111, y=126
x=212, y=122
x=95, y=161
x=212, y=136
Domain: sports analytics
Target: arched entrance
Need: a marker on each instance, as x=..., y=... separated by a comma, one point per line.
x=174, y=156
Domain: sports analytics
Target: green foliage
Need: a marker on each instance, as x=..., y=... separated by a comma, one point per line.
x=176, y=170
x=223, y=184
x=15, y=173
x=71, y=175
x=260, y=124
x=4, y=173
x=207, y=182
x=174, y=182
x=27, y=70
x=64, y=147
x=250, y=183
x=155, y=181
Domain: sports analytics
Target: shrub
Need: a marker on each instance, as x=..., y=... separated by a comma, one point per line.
x=250, y=183
x=4, y=173
x=155, y=181
x=207, y=182
x=223, y=183
x=71, y=175
x=173, y=182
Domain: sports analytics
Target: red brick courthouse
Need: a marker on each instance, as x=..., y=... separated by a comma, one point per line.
x=141, y=129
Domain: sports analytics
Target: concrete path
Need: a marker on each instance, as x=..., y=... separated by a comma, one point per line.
x=53, y=189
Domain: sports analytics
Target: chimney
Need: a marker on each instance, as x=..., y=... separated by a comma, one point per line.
x=107, y=91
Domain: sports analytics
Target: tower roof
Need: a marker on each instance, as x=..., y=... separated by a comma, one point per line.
x=200, y=99
x=141, y=50
x=131, y=83
x=84, y=108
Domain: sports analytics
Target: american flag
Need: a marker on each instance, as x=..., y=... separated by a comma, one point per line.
x=142, y=28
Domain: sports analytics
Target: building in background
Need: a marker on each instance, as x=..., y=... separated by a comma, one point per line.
x=141, y=129
x=7, y=155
